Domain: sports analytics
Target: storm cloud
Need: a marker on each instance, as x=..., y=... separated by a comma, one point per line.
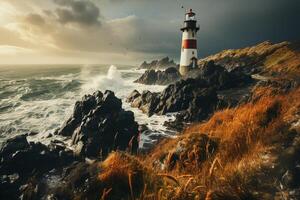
x=135, y=30
x=75, y=11
x=35, y=19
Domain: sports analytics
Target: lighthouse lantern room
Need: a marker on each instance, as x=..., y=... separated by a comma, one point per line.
x=189, y=52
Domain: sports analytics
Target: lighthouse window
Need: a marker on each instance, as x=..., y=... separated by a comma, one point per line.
x=193, y=52
x=193, y=34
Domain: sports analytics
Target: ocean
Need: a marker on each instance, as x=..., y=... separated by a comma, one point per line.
x=40, y=98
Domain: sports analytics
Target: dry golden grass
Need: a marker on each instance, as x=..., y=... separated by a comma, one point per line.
x=123, y=174
x=284, y=60
x=282, y=57
x=244, y=134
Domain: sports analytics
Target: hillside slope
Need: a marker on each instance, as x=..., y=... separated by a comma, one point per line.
x=243, y=153
x=244, y=150
x=250, y=151
x=282, y=58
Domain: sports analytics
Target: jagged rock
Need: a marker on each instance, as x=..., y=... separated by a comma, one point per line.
x=82, y=108
x=19, y=156
x=100, y=125
x=190, y=96
x=194, y=98
x=152, y=77
x=158, y=64
x=22, y=161
x=218, y=77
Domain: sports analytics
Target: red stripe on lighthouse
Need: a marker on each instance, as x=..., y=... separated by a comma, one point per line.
x=189, y=44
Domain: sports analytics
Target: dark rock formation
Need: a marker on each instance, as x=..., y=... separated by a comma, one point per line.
x=158, y=64
x=22, y=161
x=191, y=97
x=100, y=125
x=218, y=77
x=20, y=156
x=152, y=77
x=194, y=98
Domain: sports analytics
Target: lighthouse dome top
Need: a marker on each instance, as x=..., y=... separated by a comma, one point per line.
x=190, y=15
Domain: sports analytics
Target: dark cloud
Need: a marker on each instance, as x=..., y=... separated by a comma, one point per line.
x=245, y=25
x=35, y=19
x=152, y=28
x=80, y=12
x=224, y=24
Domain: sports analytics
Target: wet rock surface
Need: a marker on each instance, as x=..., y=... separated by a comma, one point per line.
x=100, y=125
x=23, y=161
x=194, y=98
x=153, y=77
x=217, y=76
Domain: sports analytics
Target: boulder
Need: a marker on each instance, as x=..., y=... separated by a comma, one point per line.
x=100, y=125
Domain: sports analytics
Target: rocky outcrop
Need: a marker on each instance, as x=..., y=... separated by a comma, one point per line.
x=23, y=157
x=99, y=125
x=22, y=161
x=217, y=76
x=185, y=96
x=164, y=63
x=152, y=77
x=194, y=98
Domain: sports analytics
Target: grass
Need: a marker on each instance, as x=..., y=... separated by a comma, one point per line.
x=228, y=157
x=283, y=58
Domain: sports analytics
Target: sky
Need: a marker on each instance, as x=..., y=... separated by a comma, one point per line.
x=131, y=31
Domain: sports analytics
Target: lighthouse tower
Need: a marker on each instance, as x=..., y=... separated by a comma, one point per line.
x=189, y=56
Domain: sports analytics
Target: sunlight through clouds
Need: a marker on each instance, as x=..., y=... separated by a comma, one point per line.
x=13, y=50
x=132, y=31
x=7, y=12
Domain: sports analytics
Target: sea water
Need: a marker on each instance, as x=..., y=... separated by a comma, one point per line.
x=40, y=98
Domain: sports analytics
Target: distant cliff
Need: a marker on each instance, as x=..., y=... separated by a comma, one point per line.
x=158, y=64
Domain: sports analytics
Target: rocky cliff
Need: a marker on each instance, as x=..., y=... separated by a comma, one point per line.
x=98, y=126
x=195, y=98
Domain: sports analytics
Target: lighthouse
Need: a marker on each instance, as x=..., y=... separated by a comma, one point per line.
x=189, y=57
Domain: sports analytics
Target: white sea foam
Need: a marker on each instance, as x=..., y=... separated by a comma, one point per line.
x=44, y=115
x=114, y=81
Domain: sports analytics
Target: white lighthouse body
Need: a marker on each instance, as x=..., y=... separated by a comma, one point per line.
x=189, y=54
